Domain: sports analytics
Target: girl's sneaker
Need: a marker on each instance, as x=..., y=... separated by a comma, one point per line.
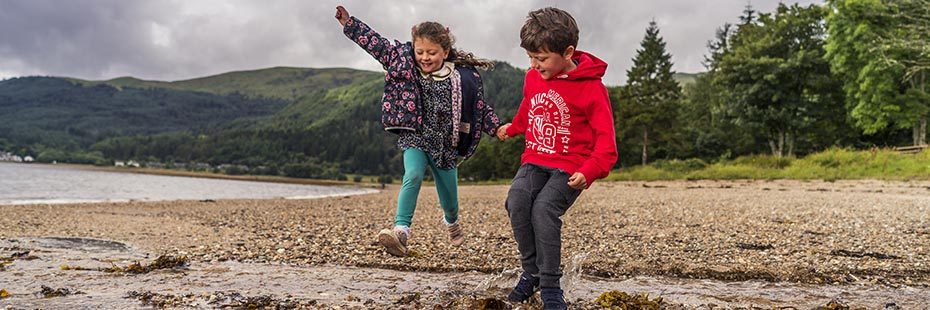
x=394, y=241
x=456, y=235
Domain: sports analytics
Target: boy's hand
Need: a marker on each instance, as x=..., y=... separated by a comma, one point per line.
x=502, y=132
x=577, y=181
x=342, y=15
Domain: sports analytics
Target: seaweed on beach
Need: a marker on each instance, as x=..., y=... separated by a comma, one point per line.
x=6, y=261
x=48, y=292
x=232, y=300
x=407, y=299
x=617, y=300
x=69, y=267
x=837, y=305
x=480, y=302
x=493, y=304
x=159, y=300
x=238, y=301
x=24, y=255
x=859, y=254
x=754, y=246
x=162, y=262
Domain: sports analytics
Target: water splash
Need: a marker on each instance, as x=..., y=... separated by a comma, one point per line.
x=502, y=281
x=571, y=282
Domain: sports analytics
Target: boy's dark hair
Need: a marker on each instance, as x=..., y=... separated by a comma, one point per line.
x=550, y=30
x=439, y=34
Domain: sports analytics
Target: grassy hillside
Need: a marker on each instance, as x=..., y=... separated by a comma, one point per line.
x=279, y=82
x=54, y=111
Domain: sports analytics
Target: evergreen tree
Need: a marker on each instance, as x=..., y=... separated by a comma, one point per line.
x=651, y=95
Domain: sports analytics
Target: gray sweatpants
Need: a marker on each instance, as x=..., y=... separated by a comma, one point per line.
x=538, y=197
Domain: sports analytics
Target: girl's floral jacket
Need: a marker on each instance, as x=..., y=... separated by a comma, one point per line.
x=400, y=104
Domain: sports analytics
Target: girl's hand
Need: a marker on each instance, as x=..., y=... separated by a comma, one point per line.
x=502, y=132
x=342, y=15
x=577, y=181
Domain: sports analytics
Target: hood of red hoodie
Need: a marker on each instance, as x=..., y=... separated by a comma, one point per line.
x=588, y=67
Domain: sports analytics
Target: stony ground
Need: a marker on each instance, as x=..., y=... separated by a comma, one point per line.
x=808, y=232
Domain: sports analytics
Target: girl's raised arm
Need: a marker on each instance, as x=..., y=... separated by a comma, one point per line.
x=377, y=46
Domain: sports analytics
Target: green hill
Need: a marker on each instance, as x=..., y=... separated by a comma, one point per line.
x=278, y=82
x=58, y=112
x=297, y=121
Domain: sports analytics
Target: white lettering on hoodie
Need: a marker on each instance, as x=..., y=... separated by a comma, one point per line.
x=549, y=120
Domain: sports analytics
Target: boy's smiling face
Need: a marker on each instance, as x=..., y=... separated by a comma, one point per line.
x=551, y=64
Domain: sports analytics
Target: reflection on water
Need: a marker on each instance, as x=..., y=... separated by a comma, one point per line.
x=30, y=184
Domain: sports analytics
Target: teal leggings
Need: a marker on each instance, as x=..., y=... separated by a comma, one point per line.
x=415, y=162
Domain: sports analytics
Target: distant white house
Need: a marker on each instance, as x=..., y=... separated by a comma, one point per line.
x=119, y=163
x=28, y=159
x=133, y=163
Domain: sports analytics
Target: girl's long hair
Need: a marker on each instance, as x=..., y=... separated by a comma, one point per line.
x=439, y=34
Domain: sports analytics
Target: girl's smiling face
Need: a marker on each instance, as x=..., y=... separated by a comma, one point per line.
x=428, y=54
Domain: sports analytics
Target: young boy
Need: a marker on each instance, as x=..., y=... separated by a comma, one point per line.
x=567, y=119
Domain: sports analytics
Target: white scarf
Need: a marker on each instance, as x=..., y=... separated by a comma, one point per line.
x=443, y=73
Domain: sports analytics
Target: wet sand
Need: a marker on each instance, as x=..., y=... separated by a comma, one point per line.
x=834, y=239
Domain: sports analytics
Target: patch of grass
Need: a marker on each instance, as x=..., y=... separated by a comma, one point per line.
x=764, y=161
x=732, y=172
x=643, y=173
x=829, y=165
x=681, y=166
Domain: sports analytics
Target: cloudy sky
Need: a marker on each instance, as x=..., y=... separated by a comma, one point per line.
x=182, y=39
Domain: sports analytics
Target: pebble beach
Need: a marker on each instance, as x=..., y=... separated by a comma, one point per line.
x=781, y=231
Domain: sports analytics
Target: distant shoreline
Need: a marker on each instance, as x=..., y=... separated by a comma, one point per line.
x=208, y=175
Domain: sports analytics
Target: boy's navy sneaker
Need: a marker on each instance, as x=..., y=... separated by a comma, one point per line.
x=525, y=288
x=552, y=298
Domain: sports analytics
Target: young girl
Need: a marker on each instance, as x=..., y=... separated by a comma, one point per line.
x=433, y=99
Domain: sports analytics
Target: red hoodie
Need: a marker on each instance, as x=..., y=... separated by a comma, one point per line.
x=568, y=120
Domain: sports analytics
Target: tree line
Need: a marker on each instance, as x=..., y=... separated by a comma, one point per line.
x=790, y=82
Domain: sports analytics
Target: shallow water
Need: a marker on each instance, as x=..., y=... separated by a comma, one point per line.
x=367, y=287
x=36, y=183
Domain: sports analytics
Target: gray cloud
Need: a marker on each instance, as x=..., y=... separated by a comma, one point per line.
x=176, y=39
